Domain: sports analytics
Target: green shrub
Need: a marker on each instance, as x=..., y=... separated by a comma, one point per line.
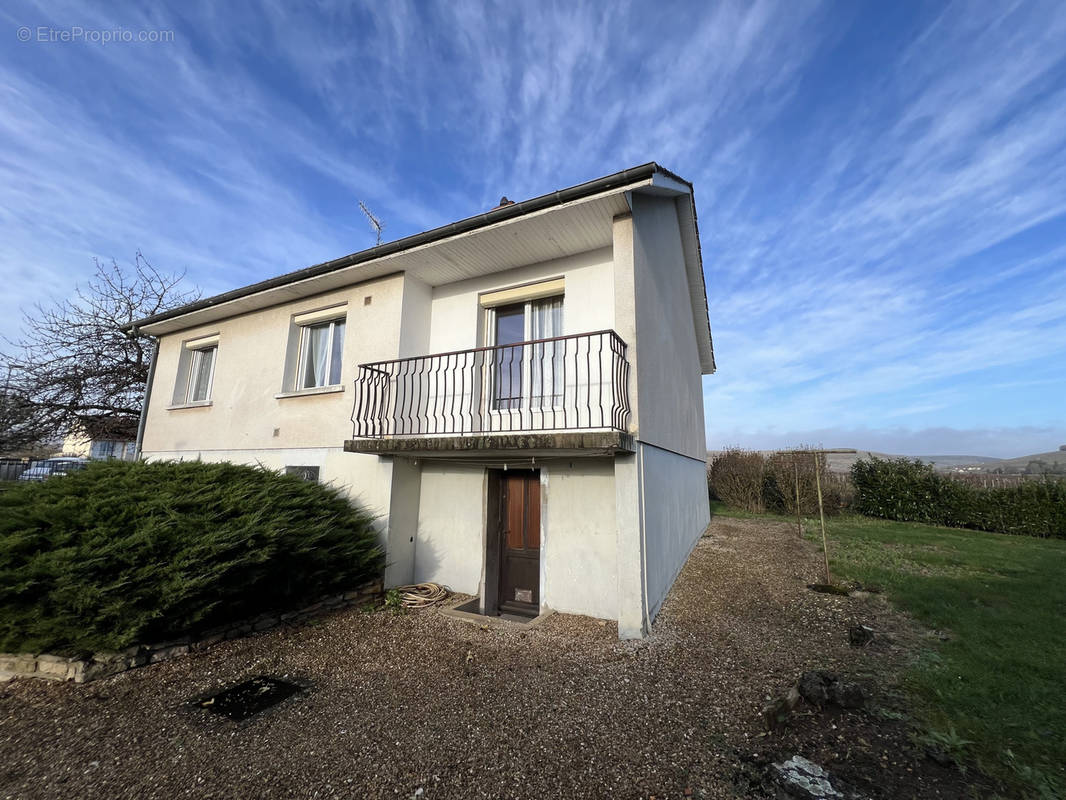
x=908, y=490
x=125, y=553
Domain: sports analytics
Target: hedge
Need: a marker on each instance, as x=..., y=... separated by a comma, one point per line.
x=751, y=481
x=127, y=553
x=908, y=490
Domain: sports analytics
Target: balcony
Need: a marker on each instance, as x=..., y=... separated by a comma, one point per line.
x=563, y=393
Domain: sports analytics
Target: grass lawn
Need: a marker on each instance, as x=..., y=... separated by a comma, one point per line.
x=993, y=691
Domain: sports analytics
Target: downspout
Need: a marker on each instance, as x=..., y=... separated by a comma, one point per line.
x=645, y=610
x=147, y=396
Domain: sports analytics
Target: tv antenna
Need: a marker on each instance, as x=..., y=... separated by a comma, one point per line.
x=375, y=223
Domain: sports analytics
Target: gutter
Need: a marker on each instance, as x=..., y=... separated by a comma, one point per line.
x=147, y=396
x=410, y=242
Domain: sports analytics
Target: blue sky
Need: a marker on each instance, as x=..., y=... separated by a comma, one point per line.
x=881, y=186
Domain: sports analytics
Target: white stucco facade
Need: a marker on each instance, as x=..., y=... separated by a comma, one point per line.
x=614, y=527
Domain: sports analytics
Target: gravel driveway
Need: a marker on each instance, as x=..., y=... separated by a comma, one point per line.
x=427, y=706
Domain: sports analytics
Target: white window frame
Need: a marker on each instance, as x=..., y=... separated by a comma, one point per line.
x=197, y=356
x=305, y=333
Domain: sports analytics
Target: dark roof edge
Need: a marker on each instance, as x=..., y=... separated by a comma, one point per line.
x=415, y=240
x=703, y=277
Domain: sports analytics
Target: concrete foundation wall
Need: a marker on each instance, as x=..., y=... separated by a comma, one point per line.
x=450, y=543
x=578, y=574
x=577, y=533
x=675, y=514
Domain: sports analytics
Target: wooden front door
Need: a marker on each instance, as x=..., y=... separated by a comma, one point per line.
x=520, y=542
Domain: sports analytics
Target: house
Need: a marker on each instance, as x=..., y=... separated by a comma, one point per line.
x=101, y=437
x=518, y=395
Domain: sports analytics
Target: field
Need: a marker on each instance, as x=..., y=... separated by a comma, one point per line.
x=990, y=693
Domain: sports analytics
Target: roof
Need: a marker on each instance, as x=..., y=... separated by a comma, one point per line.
x=376, y=261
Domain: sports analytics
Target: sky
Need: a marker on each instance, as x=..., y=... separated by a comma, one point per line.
x=881, y=187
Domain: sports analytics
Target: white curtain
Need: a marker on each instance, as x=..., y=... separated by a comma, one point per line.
x=546, y=368
x=316, y=351
x=336, y=352
x=202, y=373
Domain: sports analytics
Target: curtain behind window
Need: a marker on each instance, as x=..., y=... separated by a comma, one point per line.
x=316, y=351
x=202, y=378
x=336, y=353
x=546, y=368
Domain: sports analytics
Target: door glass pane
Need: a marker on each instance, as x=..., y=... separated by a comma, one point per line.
x=315, y=351
x=337, y=353
x=511, y=324
x=201, y=378
x=507, y=383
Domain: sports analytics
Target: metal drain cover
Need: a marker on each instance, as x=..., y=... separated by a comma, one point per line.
x=250, y=697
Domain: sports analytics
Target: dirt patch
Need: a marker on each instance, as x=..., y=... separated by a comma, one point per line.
x=426, y=706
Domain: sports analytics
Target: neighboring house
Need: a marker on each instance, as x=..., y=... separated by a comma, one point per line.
x=103, y=437
x=518, y=395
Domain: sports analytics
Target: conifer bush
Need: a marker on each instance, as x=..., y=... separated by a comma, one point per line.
x=129, y=553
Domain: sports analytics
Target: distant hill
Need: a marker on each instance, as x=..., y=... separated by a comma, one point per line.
x=842, y=462
x=1054, y=462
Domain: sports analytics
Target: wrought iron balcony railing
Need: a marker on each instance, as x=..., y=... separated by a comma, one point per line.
x=562, y=383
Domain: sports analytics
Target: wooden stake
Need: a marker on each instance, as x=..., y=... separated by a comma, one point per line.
x=799, y=516
x=821, y=516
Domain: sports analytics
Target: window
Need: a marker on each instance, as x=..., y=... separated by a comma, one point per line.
x=321, y=350
x=201, y=374
x=527, y=375
x=102, y=450
x=196, y=372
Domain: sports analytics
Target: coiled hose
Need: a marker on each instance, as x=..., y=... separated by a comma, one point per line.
x=422, y=595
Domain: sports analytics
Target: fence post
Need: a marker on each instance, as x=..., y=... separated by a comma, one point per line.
x=821, y=516
x=799, y=516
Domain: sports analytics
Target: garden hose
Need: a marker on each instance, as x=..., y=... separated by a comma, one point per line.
x=422, y=595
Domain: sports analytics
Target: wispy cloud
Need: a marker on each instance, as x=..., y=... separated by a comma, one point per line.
x=882, y=195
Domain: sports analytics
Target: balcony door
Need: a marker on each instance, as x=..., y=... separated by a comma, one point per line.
x=527, y=371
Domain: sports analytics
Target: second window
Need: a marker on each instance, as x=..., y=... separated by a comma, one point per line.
x=321, y=351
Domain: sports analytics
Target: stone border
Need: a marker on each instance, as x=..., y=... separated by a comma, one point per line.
x=105, y=664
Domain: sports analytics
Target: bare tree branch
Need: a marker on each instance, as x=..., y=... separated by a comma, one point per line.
x=74, y=368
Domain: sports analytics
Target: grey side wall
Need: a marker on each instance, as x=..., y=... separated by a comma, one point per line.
x=671, y=443
x=668, y=370
x=676, y=513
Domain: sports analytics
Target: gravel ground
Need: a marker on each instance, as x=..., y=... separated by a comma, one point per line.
x=427, y=706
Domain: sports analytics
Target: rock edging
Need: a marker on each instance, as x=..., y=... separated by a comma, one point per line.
x=104, y=664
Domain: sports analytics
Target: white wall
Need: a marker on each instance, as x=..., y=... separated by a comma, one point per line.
x=578, y=573
x=245, y=413
x=450, y=542
x=675, y=514
x=414, y=317
x=587, y=305
x=577, y=533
